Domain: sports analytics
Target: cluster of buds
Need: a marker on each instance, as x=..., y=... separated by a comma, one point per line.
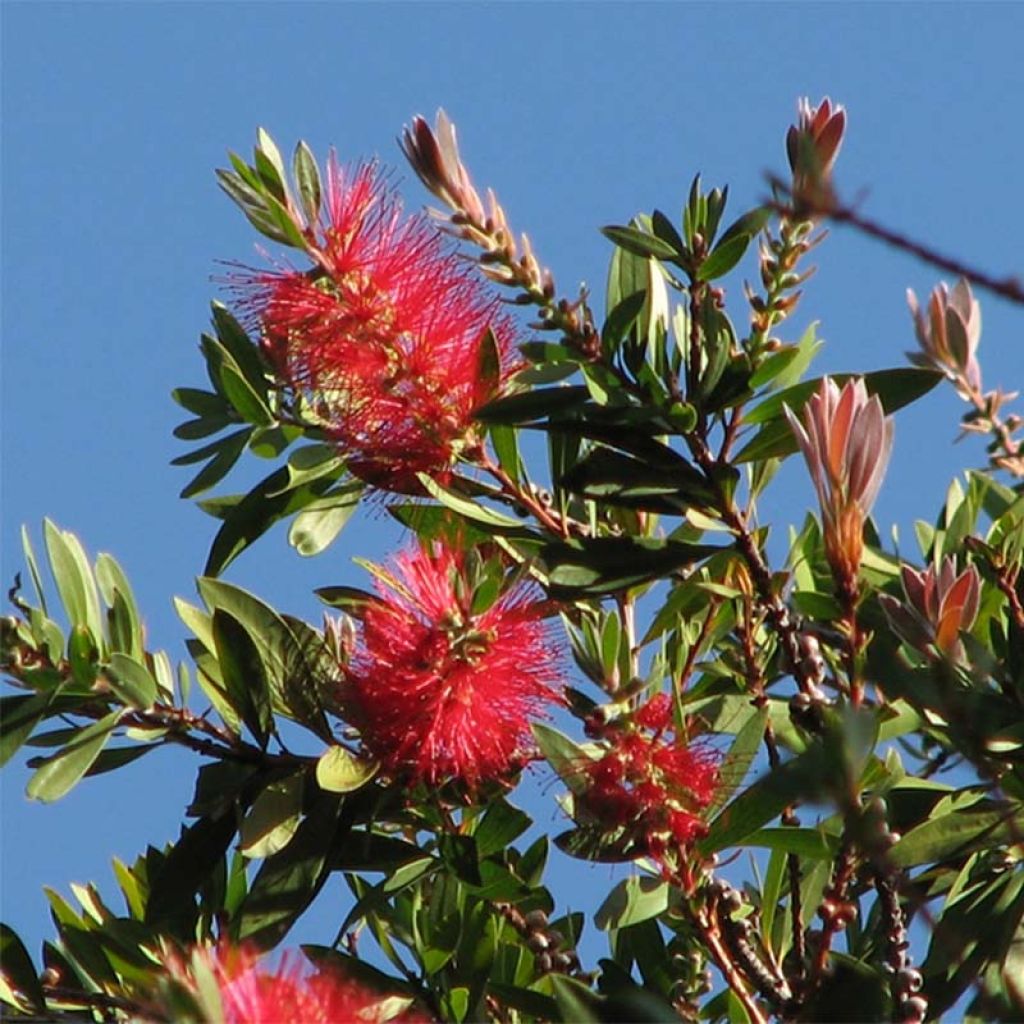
x=846, y=439
x=812, y=145
x=434, y=156
x=650, y=784
x=778, y=257
x=939, y=604
x=552, y=954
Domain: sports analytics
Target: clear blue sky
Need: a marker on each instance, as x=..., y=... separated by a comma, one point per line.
x=114, y=116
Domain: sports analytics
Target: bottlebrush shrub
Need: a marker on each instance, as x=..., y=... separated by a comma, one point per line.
x=759, y=741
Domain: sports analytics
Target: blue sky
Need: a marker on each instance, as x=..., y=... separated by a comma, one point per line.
x=114, y=116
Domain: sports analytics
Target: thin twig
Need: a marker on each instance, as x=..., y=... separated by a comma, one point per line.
x=1009, y=288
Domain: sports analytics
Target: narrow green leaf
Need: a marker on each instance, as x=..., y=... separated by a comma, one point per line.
x=467, y=507
x=639, y=243
x=288, y=882
x=59, y=774
x=315, y=528
x=19, y=983
x=226, y=452
x=307, y=179
x=723, y=257
x=131, y=681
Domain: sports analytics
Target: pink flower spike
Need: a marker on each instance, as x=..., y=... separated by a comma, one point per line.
x=846, y=439
x=940, y=604
x=812, y=145
x=948, y=333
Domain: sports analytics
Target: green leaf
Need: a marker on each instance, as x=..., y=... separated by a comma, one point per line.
x=73, y=576
x=639, y=243
x=765, y=799
x=741, y=754
x=288, y=882
x=200, y=403
x=811, y=843
x=528, y=406
x=225, y=451
x=750, y=223
x=603, y=565
x=185, y=869
x=19, y=974
x=307, y=179
x=59, y=774
x=631, y=901
x=500, y=826
x=467, y=507
x=315, y=528
x=19, y=715
x=274, y=817
x=605, y=475
x=243, y=674
x=576, y=1003
x=292, y=655
x=954, y=833
x=723, y=257
x=131, y=681
x=113, y=584
x=341, y=771
x=895, y=388
x=564, y=755
x=268, y=502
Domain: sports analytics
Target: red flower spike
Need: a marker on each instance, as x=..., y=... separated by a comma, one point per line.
x=440, y=694
x=384, y=339
x=656, y=713
x=251, y=993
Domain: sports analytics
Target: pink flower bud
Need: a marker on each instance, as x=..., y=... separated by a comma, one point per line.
x=846, y=439
x=948, y=332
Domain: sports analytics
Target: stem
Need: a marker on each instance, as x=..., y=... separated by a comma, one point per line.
x=834, y=912
x=756, y=684
x=1012, y=450
x=709, y=926
x=525, y=498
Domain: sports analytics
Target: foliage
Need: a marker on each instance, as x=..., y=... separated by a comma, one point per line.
x=809, y=711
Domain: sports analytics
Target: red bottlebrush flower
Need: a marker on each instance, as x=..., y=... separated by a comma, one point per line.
x=940, y=604
x=948, y=333
x=846, y=439
x=651, y=787
x=655, y=714
x=387, y=341
x=251, y=993
x=442, y=693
